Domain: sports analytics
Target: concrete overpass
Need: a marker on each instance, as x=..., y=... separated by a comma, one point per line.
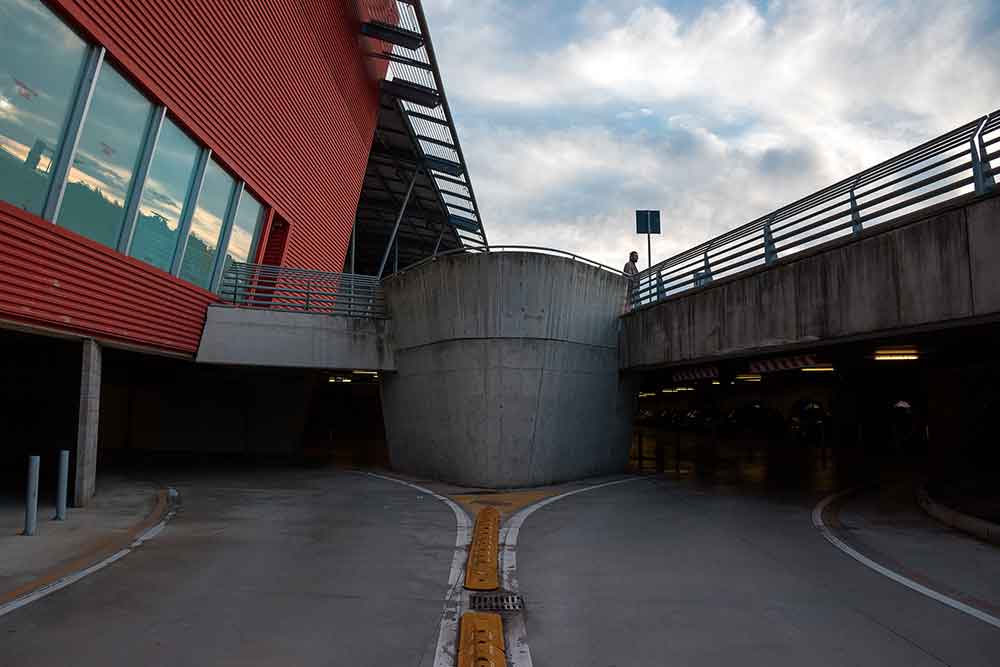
x=929, y=270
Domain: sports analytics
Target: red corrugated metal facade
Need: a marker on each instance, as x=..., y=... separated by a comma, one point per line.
x=54, y=278
x=280, y=91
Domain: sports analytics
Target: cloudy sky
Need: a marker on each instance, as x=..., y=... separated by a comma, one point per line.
x=573, y=113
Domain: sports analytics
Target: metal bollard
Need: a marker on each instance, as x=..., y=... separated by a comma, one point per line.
x=31, y=510
x=63, y=482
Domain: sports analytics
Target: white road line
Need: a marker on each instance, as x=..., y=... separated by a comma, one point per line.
x=59, y=584
x=518, y=653
x=445, y=651
x=817, y=519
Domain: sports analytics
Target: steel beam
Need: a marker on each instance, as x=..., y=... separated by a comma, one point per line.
x=395, y=229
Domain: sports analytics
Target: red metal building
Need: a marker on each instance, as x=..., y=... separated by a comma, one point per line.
x=147, y=147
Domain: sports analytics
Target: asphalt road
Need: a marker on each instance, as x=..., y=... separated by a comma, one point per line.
x=267, y=568
x=661, y=572
x=292, y=567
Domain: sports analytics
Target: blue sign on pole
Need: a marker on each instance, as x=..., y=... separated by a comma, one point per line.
x=647, y=222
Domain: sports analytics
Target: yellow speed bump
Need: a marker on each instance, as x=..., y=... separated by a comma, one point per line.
x=481, y=571
x=480, y=640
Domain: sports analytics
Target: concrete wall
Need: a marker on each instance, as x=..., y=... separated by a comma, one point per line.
x=247, y=337
x=507, y=371
x=936, y=269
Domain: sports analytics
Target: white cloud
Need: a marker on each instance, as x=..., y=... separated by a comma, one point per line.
x=715, y=118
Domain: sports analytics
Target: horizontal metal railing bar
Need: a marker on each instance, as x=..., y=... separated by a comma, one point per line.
x=307, y=297
x=838, y=203
x=278, y=291
x=306, y=275
x=293, y=289
x=294, y=284
x=949, y=141
x=357, y=312
x=934, y=165
x=901, y=182
x=879, y=200
x=328, y=305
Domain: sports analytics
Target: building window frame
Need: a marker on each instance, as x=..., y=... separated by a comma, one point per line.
x=227, y=231
x=187, y=215
x=139, y=177
x=70, y=139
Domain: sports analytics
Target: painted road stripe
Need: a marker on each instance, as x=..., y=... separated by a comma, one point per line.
x=517, y=640
x=446, y=648
x=69, y=579
x=817, y=519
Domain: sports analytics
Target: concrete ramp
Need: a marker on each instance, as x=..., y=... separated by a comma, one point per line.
x=263, y=337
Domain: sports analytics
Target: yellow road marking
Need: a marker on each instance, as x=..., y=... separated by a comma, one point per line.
x=482, y=573
x=480, y=642
x=506, y=503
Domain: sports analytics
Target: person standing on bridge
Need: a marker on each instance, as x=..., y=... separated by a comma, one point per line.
x=631, y=271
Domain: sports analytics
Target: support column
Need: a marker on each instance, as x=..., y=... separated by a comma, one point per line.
x=90, y=410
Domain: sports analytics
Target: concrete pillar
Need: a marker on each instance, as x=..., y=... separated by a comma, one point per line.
x=90, y=410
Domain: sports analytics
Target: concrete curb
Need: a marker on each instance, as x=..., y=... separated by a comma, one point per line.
x=984, y=530
x=99, y=554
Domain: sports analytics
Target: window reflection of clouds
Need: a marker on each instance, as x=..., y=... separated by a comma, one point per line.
x=40, y=60
x=244, y=228
x=206, y=225
x=167, y=185
x=110, y=141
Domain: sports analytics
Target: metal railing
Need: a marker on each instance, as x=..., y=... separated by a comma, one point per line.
x=955, y=164
x=541, y=250
x=284, y=288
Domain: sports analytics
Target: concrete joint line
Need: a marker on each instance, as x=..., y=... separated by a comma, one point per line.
x=561, y=341
x=819, y=523
x=72, y=578
x=518, y=652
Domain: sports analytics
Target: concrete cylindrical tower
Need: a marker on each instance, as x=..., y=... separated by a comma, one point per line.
x=507, y=370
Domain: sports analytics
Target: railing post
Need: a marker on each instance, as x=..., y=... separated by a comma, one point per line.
x=770, y=252
x=980, y=165
x=308, y=291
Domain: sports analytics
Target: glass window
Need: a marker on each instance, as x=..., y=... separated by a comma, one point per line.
x=101, y=174
x=167, y=185
x=206, y=225
x=40, y=63
x=243, y=238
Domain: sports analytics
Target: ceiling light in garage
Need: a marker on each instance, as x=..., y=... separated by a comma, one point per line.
x=897, y=354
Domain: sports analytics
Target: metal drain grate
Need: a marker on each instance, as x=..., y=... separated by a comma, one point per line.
x=496, y=602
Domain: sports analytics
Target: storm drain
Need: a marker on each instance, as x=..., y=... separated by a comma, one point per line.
x=496, y=602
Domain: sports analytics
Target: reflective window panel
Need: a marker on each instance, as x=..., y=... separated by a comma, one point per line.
x=110, y=142
x=206, y=225
x=173, y=164
x=246, y=224
x=40, y=63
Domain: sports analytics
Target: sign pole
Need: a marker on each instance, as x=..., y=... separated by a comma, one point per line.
x=649, y=249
